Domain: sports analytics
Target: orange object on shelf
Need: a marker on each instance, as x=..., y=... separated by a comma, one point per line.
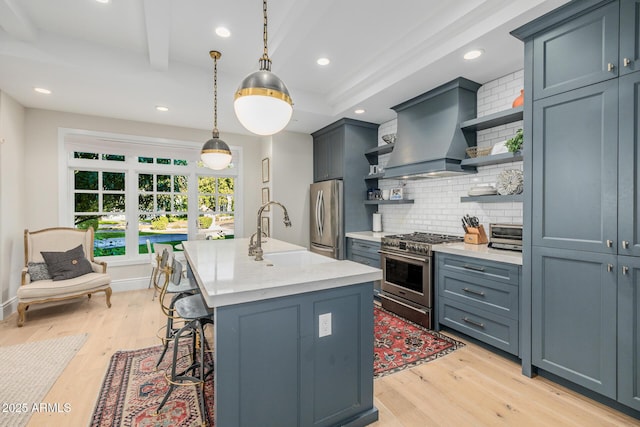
x=519, y=100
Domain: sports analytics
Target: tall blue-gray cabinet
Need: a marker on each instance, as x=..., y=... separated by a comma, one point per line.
x=629, y=331
x=337, y=154
x=582, y=196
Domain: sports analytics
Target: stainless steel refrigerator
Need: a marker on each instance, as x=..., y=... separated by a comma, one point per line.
x=327, y=228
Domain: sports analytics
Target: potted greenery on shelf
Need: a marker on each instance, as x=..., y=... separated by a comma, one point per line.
x=514, y=144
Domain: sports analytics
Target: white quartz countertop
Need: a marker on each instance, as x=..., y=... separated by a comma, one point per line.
x=227, y=275
x=479, y=251
x=372, y=236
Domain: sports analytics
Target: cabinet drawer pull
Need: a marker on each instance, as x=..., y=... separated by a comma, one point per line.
x=625, y=244
x=471, y=291
x=625, y=269
x=626, y=62
x=609, y=268
x=473, y=267
x=609, y=243
x=610, y=67
x=473, y=322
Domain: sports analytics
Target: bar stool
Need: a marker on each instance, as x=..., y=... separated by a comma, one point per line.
x=178, y=288
x=196, y=315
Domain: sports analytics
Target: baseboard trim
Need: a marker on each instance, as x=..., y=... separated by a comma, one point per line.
x=134, y=284
x=8, y=308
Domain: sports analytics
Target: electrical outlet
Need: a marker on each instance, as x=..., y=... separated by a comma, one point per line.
x=324, y=322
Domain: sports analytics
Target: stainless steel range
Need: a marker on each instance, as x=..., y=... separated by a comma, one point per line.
x=407, y=265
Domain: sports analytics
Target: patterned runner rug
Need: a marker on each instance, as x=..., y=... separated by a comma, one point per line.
x=400, y=344
x=133, y=388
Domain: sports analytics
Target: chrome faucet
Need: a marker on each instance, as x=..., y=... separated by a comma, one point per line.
x=257, y=248
x=252, y=247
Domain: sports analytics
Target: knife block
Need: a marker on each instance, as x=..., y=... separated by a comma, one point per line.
x=475, y=235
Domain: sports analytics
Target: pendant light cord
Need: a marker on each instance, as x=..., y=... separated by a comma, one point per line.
x=265, y=62
x=215, y=132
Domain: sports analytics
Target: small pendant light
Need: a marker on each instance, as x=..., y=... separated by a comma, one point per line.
x=215, y=152
x=262, y=102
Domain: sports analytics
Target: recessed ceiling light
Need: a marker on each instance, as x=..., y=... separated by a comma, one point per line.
x=103, y=1
x=42, y=90
x=323, y=61
x=162, y=108
x=359, y=111
x=223, y=32
x=473, y=54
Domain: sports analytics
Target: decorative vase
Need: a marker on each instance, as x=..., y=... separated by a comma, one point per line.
x=519, y=100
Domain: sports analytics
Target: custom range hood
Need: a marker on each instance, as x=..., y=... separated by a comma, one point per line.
x=429, y=141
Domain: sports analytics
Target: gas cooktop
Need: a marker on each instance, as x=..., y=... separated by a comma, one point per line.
x=417, y=242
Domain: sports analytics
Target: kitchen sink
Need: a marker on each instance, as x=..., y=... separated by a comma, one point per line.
x=295, y=259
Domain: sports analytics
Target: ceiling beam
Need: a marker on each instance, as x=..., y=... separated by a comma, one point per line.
x=157, y=15
x=16, y=22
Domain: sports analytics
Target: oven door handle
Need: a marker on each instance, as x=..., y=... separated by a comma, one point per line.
x=403, y=256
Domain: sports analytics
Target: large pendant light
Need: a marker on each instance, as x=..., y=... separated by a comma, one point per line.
x=215, y=152
x=262, y=102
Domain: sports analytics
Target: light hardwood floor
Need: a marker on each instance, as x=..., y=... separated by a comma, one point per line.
x=469, y=387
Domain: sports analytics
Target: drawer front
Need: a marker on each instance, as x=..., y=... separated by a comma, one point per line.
x=474, y=267
x=366, y=260
x=364, y=246
x=498, y=331
x=495, y=297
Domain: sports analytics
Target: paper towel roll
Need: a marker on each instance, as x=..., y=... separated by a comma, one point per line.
x=377, y=222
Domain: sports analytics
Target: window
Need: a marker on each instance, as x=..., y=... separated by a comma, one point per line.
x=99, y=202
x=216, y=205
x=163, y=203
x=129, y=195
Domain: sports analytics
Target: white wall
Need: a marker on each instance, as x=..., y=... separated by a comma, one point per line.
x=437, y=206
x=292, y=173
x=13, y=198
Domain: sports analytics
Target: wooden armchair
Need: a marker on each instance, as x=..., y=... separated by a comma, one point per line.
x=66, y=270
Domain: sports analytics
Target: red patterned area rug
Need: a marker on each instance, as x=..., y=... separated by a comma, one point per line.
x=133, y=388
x=400, y=344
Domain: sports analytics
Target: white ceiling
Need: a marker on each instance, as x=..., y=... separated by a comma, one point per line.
x=123, y=58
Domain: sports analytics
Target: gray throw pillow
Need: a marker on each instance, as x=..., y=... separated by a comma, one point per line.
x=38, y=271
x=67, y=265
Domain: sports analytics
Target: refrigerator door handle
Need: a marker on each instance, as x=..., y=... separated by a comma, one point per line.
x=317, y=219
x=321, y=216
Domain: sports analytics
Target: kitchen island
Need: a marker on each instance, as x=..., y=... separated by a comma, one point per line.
x=293, y=334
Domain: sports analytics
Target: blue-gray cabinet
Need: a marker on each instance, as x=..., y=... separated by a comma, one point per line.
x=581, y=248
x=629, y=165
x=365, y=252
x=574, y=322
x=276, y=370
x=575, y=138
x=629, y=36
x=338, y=148
x=328, y=154
x=578, y=53
x=479, y=298
x=601, y=42
x=629, y=331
